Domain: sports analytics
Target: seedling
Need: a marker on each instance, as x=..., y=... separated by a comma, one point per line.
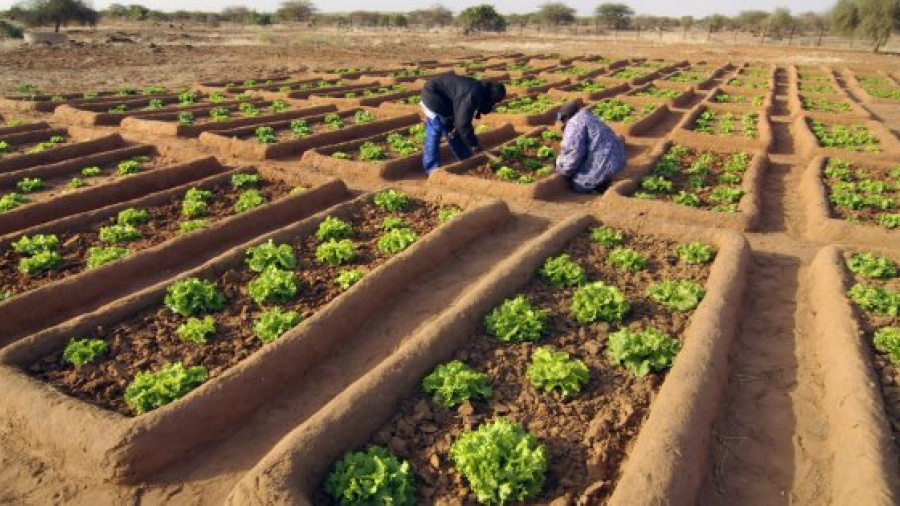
x=606, y=236
x=248, y=200
x=84, y=351
x=246, y=181
x=196, y=330
x=348, y=278
x=189, y=226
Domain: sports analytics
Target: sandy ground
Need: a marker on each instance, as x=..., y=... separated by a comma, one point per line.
x=771, y=438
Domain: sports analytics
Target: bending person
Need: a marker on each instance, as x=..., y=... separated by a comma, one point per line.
x=590, y=153
x=450, y=103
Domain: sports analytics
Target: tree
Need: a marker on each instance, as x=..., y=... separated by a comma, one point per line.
x=295, y=10
x=556, y=14
x=875, y=20
x=781, y=22
x=436, y=15
x=615, y=16
x=58, y=13
x=752, y=21
x=481, y=18
x=686, y=23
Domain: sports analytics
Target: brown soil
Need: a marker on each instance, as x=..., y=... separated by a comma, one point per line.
x=749, y=83
x=588, y=436
x=888, y=372
x=733, y=98
x=284, y=134
x=163, y=226
x=25, y=148
x=148, y=340
x=486, y=171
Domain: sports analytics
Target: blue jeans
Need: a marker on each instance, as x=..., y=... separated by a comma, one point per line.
x=431, y=151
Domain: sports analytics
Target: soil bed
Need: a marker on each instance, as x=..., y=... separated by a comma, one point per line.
x=874, y=192
x=726, y=124
x=742, y=82
x=315, y=125
x=525, y=162
x=163, y=225
x=147, y=340
x=35, y=146
x=588, y=436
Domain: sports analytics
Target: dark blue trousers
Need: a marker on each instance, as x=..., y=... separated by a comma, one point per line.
x=431, y=152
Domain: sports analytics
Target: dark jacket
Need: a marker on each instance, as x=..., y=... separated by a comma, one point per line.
x=457, y=99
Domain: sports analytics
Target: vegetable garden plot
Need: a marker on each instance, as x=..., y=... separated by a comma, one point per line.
x=391, y=155
x=819, y=82
x=760, y=100
x=844, y=137
x=826, y=104
x=193, y=123
x=528, y=110
x=589, y=90
x=752, y=84
x=756, y=71
x=852, y=202
x=246, y=82
x=573, y=442
x=51, y=150
x=372, y=96
x=355, y=72
x=695, y=183
x=742, y=128
x=674, y=95
x=702, y=77
x=13, y=127
x=302, y=94
x=635, y=75
x=877, y=88
x=32, y=141
x=629, y=116
x=294, y=137
x=285, y=86
x=259, y=343
x=35, y=100
x=533, y=84
x=574, y=73
x=523, y=168
x=520, y=70
x=856, y=302
x=113, y=114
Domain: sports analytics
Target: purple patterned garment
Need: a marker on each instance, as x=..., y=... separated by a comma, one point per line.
x=591, y=153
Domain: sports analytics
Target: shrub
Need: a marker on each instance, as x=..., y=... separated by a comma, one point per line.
x=454, y=382
x=371, y=477
x=562, y=271
x=599, y=301
x=245, y=181
x=392, y=200
x=679, y=295
x=84, y=351
x=696, y=253
x=268, y=254
x=336, y=252
x=192, y=225
x=887, y=341
x=871, y=266
x=151, y=390
x=196, y=330
x=642, y=352
x=30, y=184
x=396, y=240
x=501, y=462
x=194, y=296
x=348, y=278
x=34, y=244
x=40, y=262
x=875, y=299
x=119, y=233
x=98, y=256
x=334, y=228
x=133, y=217
x=275, y=322
x=516, y=320
x=274, y=286
x=248, y=200
x=551, y=370
x=606, y=236
x=626, y=259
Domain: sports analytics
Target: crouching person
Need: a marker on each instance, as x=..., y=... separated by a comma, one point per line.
x=590, y=153
x=450, y=103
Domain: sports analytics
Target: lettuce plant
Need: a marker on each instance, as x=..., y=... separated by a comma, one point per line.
x=189, y=226
x=872, y=266
x=392, y=223
x=606, y=236
x=245, y=181
x=84, y=351
x=555, y=370
x=334, y=228
x=265, y=135
x=98, y=256
x=275, y=322
x=396, y=240
x=681, y=295
x=516, y=320
x=269, y=254
x=11, y=201
x=119, y=233
x=562, y=272
x=696, y=253
x=133, y=217
x=501, y=462
x=274, y=286
x=887, y=341
x=194, y=296
x=448, y=213
x=34, y=244
x=30, y=184
x=374, y=476
x=196, y=203
x=40, y=262
x=626, y=259
x=642, y=351
x=248, y=200
x=336, y=252
x=599, y=301
x=875, y=299
x=392, y=200
x=152, y=390
x=454, y=382
x=196, y=330
x=348, y=278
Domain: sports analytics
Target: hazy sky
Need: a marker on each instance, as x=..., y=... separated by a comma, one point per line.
x=671, y=8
